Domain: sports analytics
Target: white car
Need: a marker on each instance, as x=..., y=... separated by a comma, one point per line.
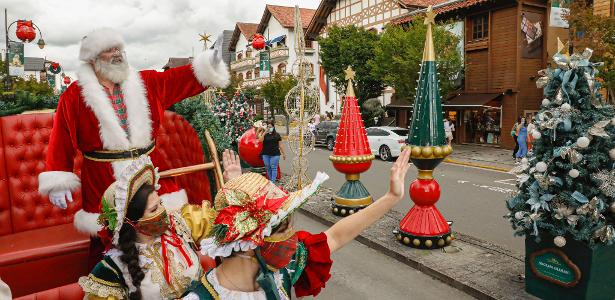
x=386, y=141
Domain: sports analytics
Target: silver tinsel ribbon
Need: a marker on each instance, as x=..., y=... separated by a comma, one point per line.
x=605, y=234
x=607, y=182
x=598, y=129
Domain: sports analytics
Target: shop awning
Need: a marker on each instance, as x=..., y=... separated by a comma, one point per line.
x=475, y=100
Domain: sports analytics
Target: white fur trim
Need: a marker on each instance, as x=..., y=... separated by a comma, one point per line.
x=98, y=41
x=86, y=222
x=57, y=180
x=111, y=133
x=210, y=247
x=174, y=201
x=209, y=75
x=137, y=109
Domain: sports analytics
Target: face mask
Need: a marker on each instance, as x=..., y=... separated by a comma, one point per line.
x=279, y=253
x=270, y=130
x=155, y=225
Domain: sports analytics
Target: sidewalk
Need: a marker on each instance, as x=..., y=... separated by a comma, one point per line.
x=487, y=157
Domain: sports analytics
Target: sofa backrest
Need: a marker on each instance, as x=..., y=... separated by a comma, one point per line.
x=23, y=145
x=25, y=139
x=180, y=146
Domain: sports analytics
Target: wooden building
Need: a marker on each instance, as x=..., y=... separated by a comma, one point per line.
x=506, y=43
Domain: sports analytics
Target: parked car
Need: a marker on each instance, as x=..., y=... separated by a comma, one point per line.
x=326, y=132
x=385, y=141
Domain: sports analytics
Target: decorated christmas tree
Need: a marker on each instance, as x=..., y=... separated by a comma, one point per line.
x=235, y=114
x=567, y=186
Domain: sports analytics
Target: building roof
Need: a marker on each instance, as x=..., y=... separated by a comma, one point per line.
x=441, y=7
x=34, y=63
x=286, y=16
x=419, y=3
x=247, y=29
x=177, y=62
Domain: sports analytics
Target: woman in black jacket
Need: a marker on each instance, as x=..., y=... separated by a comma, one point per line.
x=272, y=149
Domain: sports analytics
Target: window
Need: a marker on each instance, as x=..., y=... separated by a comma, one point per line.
x=248, y=53
x=257, y=72
x=480, y=27
x=401, y=132
x=239, y=56
x=249, y=75
x=240, y=76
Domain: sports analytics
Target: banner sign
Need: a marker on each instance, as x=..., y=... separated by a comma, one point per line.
x=264, y=65
x=16, y=59
x=554, y=265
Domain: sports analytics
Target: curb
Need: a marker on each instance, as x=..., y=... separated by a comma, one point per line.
x=469, y=164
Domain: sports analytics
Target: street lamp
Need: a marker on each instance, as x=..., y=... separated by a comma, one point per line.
x=30, y=35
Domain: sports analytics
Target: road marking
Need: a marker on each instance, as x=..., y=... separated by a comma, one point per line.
x=495, y=188
x=506, y=181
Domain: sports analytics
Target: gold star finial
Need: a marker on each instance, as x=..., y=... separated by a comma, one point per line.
x=349, y=73
x=430, y=16
x=239, y=88
x=204, y=37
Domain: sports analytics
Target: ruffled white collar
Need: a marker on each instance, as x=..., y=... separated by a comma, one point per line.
x=225, y=293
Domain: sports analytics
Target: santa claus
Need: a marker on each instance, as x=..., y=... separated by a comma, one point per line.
x=112, y=115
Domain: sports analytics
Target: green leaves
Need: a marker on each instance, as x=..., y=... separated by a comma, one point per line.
x=110, y=214
x=274, y=91
x=400, y=51
x=351, y=46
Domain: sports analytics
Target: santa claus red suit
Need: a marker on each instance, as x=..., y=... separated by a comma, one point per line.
x=88, y=120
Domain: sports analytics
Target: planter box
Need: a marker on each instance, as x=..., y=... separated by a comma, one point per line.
x=574, y=271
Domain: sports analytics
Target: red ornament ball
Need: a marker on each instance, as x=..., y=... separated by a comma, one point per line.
x=425, y=192
x=250, y=149
x=258, y=42
x=67, y=80
x=25, y=31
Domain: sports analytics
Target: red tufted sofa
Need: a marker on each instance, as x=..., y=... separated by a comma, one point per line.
x=39, y=248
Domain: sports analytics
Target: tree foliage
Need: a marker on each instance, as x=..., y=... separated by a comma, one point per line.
x=351, y=46
x=400, y=51
x=274, y=92
x=597, y=33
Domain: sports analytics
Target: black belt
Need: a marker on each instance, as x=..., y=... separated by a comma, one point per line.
x=117, y=155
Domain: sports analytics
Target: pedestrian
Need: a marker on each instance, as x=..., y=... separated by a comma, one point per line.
x=317, y=119
x=449, y=127
x=272, y=150
x=514, y=132
x=522, y=139
x=312, y=127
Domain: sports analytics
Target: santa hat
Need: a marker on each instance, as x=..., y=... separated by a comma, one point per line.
x=98, y=41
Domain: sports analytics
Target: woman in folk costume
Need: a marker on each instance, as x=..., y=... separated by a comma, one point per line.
x=263, y=256
x=112, y=115
x=154, y=252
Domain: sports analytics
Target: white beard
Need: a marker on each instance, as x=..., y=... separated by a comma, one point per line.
x=115, y=72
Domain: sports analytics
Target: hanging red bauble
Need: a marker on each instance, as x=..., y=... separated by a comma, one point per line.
x=250, y=149
x=67, y=80
x=258, y=42
x=25, y=31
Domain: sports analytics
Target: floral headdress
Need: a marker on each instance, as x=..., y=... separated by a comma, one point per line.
x=117, y=197
x=248, y=208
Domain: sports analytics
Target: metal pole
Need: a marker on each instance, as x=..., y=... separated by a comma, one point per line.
x=6, y=31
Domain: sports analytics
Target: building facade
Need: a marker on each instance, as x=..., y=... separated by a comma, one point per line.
x=369, y=14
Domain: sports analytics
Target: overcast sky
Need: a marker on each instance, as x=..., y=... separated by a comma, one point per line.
x=154, y=30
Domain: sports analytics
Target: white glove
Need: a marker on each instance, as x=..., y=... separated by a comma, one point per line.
x=217, y=57
x=58, y=198
x=191, y=296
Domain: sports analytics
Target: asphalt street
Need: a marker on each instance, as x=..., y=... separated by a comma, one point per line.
x=359, y=272
x=473, y=198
